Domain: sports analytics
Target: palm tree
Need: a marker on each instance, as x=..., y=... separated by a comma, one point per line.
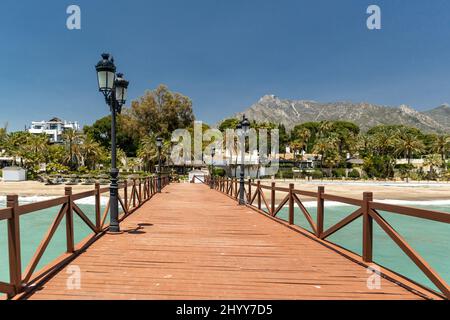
x=408, y=144
x=324, y=146
x=296, y=145
x=441, y=145
x=324, y=128
x=3, y=136
x=122, y=158
x=38, y=145
x=15, y=145
x=148, y=151
x=71, y=139
x=433, y=160
x=331, y=160
x=383, y=142
x=303, y=137
x=363, y=143
x=90, y=152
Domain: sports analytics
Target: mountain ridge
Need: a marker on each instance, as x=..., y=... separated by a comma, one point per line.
x=270, y=108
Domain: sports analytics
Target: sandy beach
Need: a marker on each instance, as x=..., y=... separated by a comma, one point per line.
x=414, y=191
x=34, y=188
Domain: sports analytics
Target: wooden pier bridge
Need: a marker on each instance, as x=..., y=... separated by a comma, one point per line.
x=191, y=242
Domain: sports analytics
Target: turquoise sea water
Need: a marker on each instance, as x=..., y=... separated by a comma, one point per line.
x=430, y=239
x=33, y=228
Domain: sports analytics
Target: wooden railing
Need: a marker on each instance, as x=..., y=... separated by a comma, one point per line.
x=134, y=193
x=367, y=209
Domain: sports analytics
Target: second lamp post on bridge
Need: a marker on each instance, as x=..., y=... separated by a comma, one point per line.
x=114, y=88
x=242, y=128
x=159, y=144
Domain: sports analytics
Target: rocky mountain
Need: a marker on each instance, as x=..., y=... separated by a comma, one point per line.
x=441, y=115
x=293, y=112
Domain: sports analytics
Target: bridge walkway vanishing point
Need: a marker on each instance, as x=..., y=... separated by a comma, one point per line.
x=191, y=242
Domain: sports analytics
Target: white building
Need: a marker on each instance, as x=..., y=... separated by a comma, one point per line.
x=14, y=174
x=54, y=128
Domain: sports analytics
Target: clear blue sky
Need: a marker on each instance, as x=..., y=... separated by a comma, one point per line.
x=223, y=54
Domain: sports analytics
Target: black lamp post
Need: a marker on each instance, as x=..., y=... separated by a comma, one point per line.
x=159, y=143
x=114, y=90
x=243, y=127
x=213, y=153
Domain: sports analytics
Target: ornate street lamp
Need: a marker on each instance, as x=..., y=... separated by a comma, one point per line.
x=114, y=90
x=243, y=127
x=121, y=90
x=213, y=153
x=159, y=144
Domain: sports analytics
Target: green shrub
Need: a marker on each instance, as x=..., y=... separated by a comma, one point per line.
x=317, y=174
x=354, y=174
x=57, y=168
x=285, y=174
x=415, y=176
x=339, y=173
x=286, y=165
x=83, y=170
x=219, y=172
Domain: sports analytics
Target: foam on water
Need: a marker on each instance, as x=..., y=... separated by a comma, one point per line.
x=307, y=204
x=34, y=199
x=375, y=183
x=424, y=203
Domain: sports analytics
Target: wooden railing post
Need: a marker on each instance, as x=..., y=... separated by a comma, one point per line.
x=140, y=191
x=134, y=193
x=367, y=228
x=259, y=194
x=249, y=198
x=144, y=189
x=97, y=207
x=291, y=204
x=320, y=211
x=272, y=199
x=125, y=195
x=15, y=260
x=69, y=222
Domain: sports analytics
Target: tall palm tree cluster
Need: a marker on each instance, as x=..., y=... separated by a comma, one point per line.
x=380, y=147
x=148, y=152
x=329, y=142
x=35, y=153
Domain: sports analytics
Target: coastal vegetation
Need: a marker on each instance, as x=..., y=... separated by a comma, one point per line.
x=379, y=149
x=337, y=149
x=157, y=113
